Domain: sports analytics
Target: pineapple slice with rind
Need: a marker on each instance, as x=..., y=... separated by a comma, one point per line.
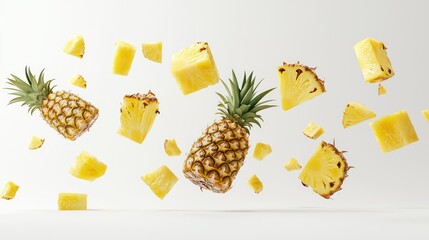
x=194, y=68
x=152, y=51
x=171, y=148
x=381, y=90
x=292, y=165
x=355, y=113
x=255, y=183
x=36, y=142
x=425, y=114
x=78, y=81
x=313, y=130
x=160, y=181
x=124, y=56
x=87, y=167
x=138, y=113
x=325, y=171
x=72, y=201
x=261, y=151
x=394, y=131
x=75, y=46
x=9, y=190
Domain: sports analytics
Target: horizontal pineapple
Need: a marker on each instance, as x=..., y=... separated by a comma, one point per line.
x=160, y=181
x=87, y=167
x=75, y=46
x=152, y=51
x=394, y=131
x=138, y=112
x=292, y=165
x=171, y=148
x=425, y=114
x=355, y=113
x=373, y=60
x=381, y=90
x=72, y=201
x=298, y=83
x=255, y=183
x=9, y=190
x=194, y=68
x=78, y=81
x=36, y=143
x=123, y=59
x=313, y=131
x=261, y=151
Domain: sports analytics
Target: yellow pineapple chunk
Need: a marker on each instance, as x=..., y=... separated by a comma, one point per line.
x=325, y=171
x=75, y=46
x=255, y=184
x=171, y=148
x=36, y=142
x=124, y=56
x=87, y=167
x=261, y=151
x=292, y=165
x=381, y=90
x=355, y=113
x=138, y=112
x=394, y=131
x=298, y=83
x=373, y=60
x=160, y=181
x=425, y=114
x=9, y=190
x=72, y=201
x=194, y=68
x=78, y=81
x=152, y=51
x=313, y=130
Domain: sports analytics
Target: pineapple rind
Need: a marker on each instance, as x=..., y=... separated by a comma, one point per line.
x=356, y=113
x=152, y=51
x=160, y=181
x=87, y=167
x=255, y=183
x=75, y=46
x=72, y=201
x=9, y=190
x=261, y=151
x=124, y=56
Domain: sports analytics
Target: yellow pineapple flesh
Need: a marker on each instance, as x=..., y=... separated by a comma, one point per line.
x=313, y=131
x=123, y=59
x=261, y=151
x=425, y=114
x=87, y=167
x=160, y=181
x=381, y=90
x=373, y=60
x=292, y=165
x=356, y=113
x=394, y=131
x=78, y=81
x=255, y=183
x=171, y=148
x=75, y=46
x=152, y=51
x=72, y=201
x=194, y=68
x=36, y=142
x=9, y=190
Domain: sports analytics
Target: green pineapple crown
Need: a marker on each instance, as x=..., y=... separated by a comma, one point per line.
x=242, y=104
x=32, y=92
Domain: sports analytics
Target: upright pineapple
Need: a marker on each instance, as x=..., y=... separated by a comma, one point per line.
x=67, y=113
x=216, y=157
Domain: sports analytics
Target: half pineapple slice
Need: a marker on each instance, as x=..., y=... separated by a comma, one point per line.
x=355, y=113
x=138, y=112
x=325, y=171
x=298, y=83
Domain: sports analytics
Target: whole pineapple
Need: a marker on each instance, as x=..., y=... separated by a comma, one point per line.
x=65, y=112
x=216, y=157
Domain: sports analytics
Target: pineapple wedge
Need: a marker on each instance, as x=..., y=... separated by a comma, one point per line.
x=313, y=131
x=425, y=114
x=36, y=143
x=325, y=171
x=9, y=190
x=152, y=51
x=394, y=131
x=373, y=60
x=78, y=81
x=72, y=201
x=355, y=113
x=255, y=184
x=160, y=181
x=75, y=46
x=138, y=112
x=124, y=56
x=194, y=68
x=261, y=151
x=171, y=148
x=292, y=165
x=87, y=167
x=298, y=83
x=381, y=90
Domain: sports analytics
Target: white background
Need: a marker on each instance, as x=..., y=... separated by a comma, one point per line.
x=245, y=36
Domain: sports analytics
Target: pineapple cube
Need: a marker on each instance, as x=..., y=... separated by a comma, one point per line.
x=313, y=131
x=355, y=113
x=292, y=165
x=124, y=56
x=425, y=114
x=78, y=81
x=381, y=90
x=255, y=184
x=75, y=46
x=394, y=131
x=36, y=143
x=194, y=68
x=72, y=201
x=373, y=60
x=160, y=181
x=87, y=167
x=9, y=190
x=152, y=51
x=171, y=147
x=261, y=151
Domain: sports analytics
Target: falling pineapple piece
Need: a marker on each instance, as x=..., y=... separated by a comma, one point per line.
x=313, y=130
x=152, y=51
x=292, y=165
x=373, y=60
x=87, y=167
x=75, y=46
x=355, y=113
x=298, y=83
x=124, y=56
x=394, y=131
x=261, y=151
x=36, y=143
x=78, y=81
x=9, y=190
x=325, y=171
x=425, y=114
x=160, y=181
x=171, y=147
x=381, y=90
x=194, y=68
x=255, y=184
x=138, y=112
x=72, y=201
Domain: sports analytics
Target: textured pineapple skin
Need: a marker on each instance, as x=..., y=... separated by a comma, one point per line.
x=394, y=131
x=78, y=81
x=87, y=167
x=313, y=131
x=75, y=46
x=261, y=151
x=160, y=181
x=171, y=148
x=152, y=51
x=255, y=183
x=9, y=191
x=123, y=59
x=72, y=201
x=292, y=165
